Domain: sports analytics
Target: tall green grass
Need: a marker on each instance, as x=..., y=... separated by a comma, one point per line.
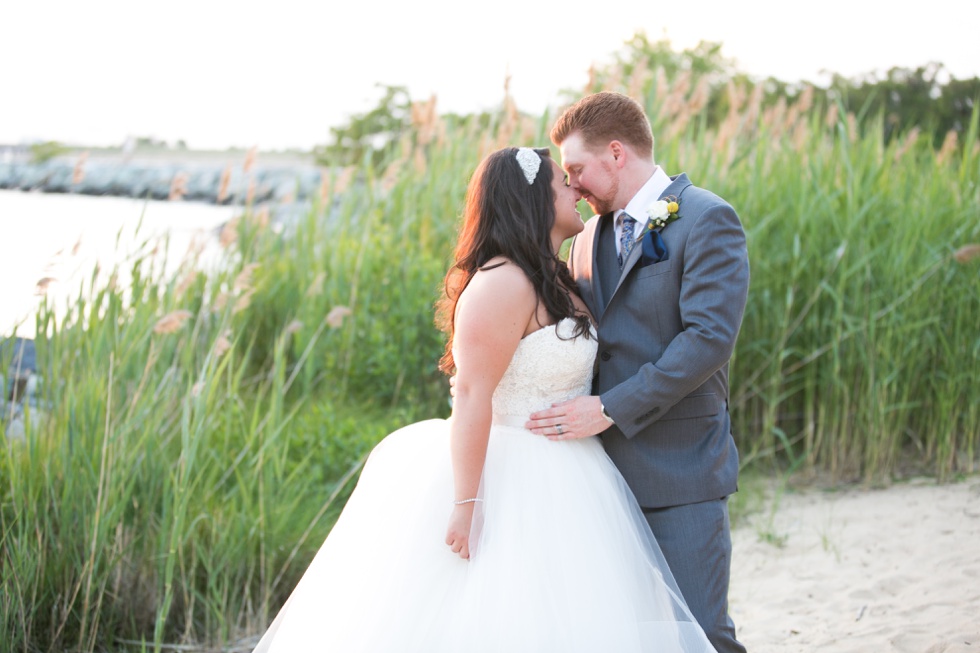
x=149, y=498
x=200, y=431
x=860, y=346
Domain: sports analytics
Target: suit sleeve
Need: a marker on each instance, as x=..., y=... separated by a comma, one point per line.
x=713, y=293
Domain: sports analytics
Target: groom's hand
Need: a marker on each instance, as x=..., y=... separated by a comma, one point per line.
x=576, y=418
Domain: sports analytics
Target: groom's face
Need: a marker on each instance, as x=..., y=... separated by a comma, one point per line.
x=591, y=172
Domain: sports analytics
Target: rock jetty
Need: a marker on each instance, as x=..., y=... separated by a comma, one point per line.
x=187, y=178
x=18, y=385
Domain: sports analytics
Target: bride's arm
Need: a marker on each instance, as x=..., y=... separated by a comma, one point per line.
x=491, y=317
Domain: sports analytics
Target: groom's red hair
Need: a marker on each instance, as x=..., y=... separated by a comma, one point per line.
x=605, y=117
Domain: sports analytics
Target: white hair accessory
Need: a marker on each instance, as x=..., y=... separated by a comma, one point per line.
x=530, y=162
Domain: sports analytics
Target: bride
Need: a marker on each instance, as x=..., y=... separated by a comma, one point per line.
x=473, y=533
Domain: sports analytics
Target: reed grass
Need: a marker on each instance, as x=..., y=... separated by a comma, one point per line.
x=199, y=431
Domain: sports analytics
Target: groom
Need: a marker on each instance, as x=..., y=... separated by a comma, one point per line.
x=667, y=283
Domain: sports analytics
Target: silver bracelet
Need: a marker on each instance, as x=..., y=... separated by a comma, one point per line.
x=462, y=501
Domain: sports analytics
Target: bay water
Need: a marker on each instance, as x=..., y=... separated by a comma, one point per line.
x=51, y=244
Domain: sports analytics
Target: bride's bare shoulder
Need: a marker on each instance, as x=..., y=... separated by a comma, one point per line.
x=502, y=272
x=500, y=285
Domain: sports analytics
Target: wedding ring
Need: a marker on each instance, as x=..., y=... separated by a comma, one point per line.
x=558, y=429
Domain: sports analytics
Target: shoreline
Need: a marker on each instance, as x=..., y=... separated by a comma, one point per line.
x=213, y=177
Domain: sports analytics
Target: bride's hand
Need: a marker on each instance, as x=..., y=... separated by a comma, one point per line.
x=458, y=534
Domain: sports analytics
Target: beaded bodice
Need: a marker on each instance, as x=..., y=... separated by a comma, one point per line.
x=548, y=367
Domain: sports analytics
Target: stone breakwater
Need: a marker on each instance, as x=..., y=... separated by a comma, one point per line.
x=202, y=182
x=18, y=386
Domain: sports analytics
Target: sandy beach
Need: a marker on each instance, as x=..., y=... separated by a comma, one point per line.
x=855, y=570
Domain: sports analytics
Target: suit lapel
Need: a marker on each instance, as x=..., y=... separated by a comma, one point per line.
x=677, y=185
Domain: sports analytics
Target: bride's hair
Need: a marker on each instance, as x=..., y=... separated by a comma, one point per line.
x=505, y=216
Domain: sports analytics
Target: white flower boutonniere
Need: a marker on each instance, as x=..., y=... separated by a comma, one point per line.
x=662, y=213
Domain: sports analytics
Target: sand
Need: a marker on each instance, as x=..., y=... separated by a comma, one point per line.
x=863, y=571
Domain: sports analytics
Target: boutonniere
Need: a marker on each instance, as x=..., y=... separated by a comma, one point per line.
x=662, y=213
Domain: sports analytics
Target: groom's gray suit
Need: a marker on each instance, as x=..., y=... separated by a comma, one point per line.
x=666, y=334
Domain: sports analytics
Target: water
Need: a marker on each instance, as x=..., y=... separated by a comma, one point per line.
x=63, y=237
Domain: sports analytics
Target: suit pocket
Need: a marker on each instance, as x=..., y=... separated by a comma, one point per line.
x=693, y=406
x=663, y=267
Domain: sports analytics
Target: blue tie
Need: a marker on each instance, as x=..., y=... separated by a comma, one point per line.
x=626, y=239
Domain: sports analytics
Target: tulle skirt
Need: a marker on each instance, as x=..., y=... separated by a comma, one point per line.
x=562, y=560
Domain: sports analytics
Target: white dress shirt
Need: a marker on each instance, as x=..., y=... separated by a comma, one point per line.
x=637, y=207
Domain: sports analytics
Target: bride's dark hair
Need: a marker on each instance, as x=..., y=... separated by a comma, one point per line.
x=506, y=216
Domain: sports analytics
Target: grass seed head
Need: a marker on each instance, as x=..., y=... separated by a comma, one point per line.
x=224, y=183
x=243, y=302
x=41, y=287
x=178, y=186
x=172, y=321
x=831, y=119
x=220, y=302
x=949, y=146
x=316, y=288
x=229, y=233
x=243, y=282
x=910, y=139
x=261, y=217
x=967, y=253
x=186, y=282
x=78, y=172
x=223, y=343
x=250, y=157
x=335, y=318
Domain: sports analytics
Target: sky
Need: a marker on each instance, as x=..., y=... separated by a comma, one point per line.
x=277, y=75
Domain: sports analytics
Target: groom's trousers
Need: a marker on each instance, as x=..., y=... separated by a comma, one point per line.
x=696, y=541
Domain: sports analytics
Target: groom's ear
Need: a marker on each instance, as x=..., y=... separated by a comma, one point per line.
x=618, y=152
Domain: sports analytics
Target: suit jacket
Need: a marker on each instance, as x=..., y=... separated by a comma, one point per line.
x=666, y=334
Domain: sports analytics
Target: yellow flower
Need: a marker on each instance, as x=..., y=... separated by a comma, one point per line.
x=672, y=207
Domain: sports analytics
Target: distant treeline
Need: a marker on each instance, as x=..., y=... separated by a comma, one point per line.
x=927, y=98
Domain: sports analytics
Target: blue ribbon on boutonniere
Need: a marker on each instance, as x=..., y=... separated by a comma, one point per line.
x=662, y=213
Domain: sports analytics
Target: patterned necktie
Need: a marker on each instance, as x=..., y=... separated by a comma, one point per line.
x=626, y=239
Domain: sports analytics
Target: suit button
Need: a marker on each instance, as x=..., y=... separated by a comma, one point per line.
x=605, y=355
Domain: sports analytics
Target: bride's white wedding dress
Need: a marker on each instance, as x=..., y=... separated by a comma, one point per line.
x=563, y=559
